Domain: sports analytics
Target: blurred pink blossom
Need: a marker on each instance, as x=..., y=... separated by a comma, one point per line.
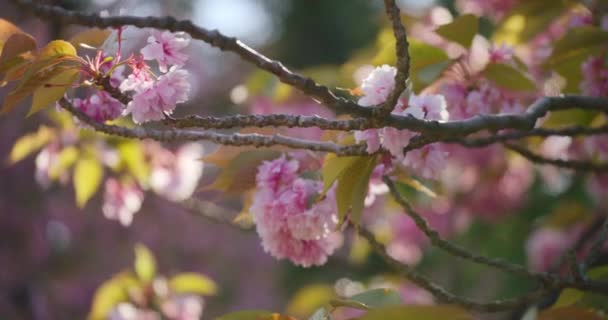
x=100, y=106
x=595, y=77
x=121, y=201
x=545, y=246
x=177, y=176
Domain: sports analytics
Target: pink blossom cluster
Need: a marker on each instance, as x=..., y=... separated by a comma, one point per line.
x=290, y=219
x=157, y=97
x=173, y=175
x=100, y=106
x=122, y=200
x=546, y=246
x=427, y=161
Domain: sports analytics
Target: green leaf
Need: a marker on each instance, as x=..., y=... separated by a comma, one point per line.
x=569, y=313
x=462, y=30
x=333, y=168
x=417, y=312
x=53, y=90
x=309, y=298
x=30, y=143
x=352, y=188
x=507, y=77
x=193, y=283
x=145, y=263
x=254, y=315
x=110, y=294
x=87, y=177
x=377, y=298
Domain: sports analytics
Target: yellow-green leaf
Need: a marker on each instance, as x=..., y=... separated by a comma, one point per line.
x=417, y=312
x=569, y=313
x=66, y=158
x=333, y=168
x=568, y=297
x=309, y=298
x=132, y=157
x=57, y=48
x=145, y=263
x=254, y=315
x=378, y=298
x=87, y=177
x=352, y=188
x=111, y=293
x=507, y=77
x=30, y=143
x=193, y=283
x=461, y=30
x=53, y=90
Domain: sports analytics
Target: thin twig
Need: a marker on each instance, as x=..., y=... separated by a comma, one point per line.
x=439, y=292
x=458, y=251
x=597, y=245
x=568, y=164
x=403, y=57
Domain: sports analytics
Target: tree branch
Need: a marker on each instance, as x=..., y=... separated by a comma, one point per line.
x=403, y=57
x=212, y=37
x=439, y=292
x=458, y=251
x=234, y=139
x=309, y=87
x=538, y=132
x=568, y=164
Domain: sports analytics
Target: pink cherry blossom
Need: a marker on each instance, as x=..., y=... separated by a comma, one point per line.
x=100, y=106
x=545, y=246
x=166, y=48
x=277, y=173
x=153, y=100
x=121, y=201
x=176, y=176
x=427, y=161
x=371, y=137
x=291, y=222
x=378, y=85
x=140, y=74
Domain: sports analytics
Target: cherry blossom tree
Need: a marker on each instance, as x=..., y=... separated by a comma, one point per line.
x=442, y=125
